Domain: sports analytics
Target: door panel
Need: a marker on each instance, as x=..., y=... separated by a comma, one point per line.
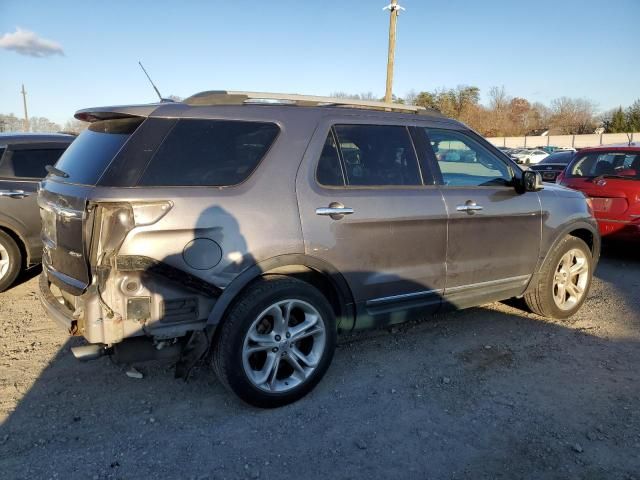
x=21, y=209
x=390, y=249
x=499, y=242
x=494, y=232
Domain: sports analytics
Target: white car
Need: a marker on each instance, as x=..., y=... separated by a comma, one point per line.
x=529, y=157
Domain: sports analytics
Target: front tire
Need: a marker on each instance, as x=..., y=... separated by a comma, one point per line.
x=10, y=261
x=564, y=282
x=276, y=342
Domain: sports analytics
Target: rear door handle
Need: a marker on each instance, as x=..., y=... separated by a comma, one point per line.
x=470, y=206
x=14, y=193
x=335, y=210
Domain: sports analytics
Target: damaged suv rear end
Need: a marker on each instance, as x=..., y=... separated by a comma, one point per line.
x=133, y=243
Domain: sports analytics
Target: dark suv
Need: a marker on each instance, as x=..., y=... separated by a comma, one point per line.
x=23, y=158
x=256, y=226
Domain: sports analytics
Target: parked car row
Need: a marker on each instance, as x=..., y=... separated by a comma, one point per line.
x=532, y=156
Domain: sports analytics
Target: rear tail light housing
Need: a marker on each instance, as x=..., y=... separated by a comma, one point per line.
x=590, y=205
x=114, y=220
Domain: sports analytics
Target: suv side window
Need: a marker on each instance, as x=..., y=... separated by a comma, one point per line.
x=210, y=153
x=464, y=162
x=378, y=155
x=29, y=163
x=329, y=171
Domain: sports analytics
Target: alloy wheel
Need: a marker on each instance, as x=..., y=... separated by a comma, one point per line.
x=570, y=279
x=5, y=261
x=283, y=346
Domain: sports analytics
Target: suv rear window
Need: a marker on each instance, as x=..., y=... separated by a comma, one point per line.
x=594, y=164
x=90, y=154
x=213, y=153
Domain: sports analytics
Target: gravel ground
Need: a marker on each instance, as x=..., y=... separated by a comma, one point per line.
x=490, y=392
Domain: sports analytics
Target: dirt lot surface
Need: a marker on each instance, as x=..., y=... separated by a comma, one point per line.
x=490, y=392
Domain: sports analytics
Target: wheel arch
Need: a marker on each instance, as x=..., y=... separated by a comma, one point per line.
x=584, y=230
x=315, y=271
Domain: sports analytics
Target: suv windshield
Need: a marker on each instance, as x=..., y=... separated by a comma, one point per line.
x=91, y=153
x=616, y=163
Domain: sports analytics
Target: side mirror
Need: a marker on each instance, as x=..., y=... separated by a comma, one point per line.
x=532, y=181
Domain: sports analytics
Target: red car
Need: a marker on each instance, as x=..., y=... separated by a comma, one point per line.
x=610, y=176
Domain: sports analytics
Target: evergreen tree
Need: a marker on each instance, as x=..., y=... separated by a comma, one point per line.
x=618, y=122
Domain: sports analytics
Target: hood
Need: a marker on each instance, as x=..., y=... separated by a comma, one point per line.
x=561, y=191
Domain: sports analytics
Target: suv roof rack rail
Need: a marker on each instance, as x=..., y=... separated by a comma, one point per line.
x=223, y=97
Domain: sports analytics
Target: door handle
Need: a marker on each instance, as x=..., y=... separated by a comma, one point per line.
x=335, y=210
x=470, y=206
x=14, y=193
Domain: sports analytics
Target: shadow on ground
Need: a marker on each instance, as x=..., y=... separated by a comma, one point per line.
x=488, y=392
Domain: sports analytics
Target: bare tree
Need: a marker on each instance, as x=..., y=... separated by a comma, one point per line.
x=573, y=115
x=498, y=99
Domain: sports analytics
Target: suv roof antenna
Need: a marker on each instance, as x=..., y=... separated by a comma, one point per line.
x=153, y=84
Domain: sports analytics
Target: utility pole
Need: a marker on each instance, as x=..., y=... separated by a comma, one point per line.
x=26, y=115
x=394, y=10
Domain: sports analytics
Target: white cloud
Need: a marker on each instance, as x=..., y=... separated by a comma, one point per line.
x=28, y=43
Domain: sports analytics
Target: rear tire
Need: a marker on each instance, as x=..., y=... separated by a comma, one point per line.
x=564, y=282
x=276, y=342
x=10, y=261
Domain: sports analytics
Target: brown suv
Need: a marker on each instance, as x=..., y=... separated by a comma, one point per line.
x=256, y=227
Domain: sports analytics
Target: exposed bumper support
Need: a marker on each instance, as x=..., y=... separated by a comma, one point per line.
x=55, y=310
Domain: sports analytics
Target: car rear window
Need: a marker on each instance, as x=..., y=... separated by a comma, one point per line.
x=90, y=154
x=212, y=153
x=616, y=163
x=560, y=157
x=29, y=163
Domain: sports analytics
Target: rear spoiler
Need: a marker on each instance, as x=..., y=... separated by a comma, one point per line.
x=110, y=113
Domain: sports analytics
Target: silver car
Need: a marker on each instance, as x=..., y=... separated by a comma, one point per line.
x=250, y=229
x=23, y=159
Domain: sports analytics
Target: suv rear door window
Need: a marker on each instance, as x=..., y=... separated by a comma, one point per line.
x=464, y=162
x=378, y=155
x=212, y=153
x=329, y=171
x=29, y=163
x=90, y=154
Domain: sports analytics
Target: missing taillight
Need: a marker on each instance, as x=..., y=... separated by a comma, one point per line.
x=115, y=220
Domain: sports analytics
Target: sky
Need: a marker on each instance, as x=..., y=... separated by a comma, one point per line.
x=78, y=54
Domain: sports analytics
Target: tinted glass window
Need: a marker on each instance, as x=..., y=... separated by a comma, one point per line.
x=378, y=155
x=465, y=162
x=209, y=153
x=29, y=163
x=559, y=157
x=593, y=164
x=329, y=171
x=91, y=153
